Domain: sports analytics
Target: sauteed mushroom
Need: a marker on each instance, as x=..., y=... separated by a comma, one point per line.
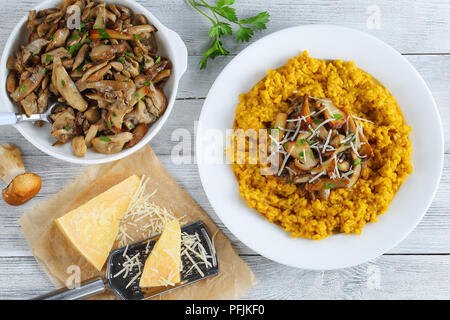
x=320, y=146
x=106, y=75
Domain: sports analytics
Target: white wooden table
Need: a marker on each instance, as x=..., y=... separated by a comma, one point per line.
x=417, y=268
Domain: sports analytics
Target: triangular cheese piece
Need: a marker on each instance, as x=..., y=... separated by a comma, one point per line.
x=163, y=266
x=93, y=227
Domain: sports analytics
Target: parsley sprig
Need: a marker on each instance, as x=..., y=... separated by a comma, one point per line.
x=223, y=10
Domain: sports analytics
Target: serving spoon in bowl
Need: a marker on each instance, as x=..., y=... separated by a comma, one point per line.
x=11, y=118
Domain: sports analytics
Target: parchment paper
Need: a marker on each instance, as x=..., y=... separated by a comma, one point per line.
x=55, y=254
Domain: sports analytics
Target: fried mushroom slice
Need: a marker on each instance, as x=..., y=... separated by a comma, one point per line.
x=81, y=56
x=106, y=52
x=157, y=103
x=29, y=85
x=79, y=146
x=29, y=104
x=142, y=115
x=58, y=39
x=111, y=144
x=63, y=128
x=66, y=87
x=11, y=82
x=138, y=134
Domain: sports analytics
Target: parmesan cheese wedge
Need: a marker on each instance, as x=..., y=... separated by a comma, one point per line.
x=93, y=227
x=163, y=266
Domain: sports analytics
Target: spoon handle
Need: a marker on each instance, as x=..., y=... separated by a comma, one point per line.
x=7, y=118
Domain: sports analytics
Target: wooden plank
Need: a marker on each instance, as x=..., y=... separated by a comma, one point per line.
x=435, y=70
x=388, y=277
x=409, y=27
x=431, y=236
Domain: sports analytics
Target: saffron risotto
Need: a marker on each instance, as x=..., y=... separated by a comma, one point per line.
x=355, y=92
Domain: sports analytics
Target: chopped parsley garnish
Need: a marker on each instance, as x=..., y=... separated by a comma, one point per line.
x=87, y=40
x=22, y=89
x=317, y=121
x=102, y=33
x=106, y=139
x=76, y=37
x=109, y=124
x=63, y=83
x=129, y=55
x=43, y=70
x=300, y=142
x=138, y=37
x=48, y=58
x=357, y=161
x=301, y=155
x=67, y=128
x=337, y=116
x=329, y=185
x=147, y=83
x=74, y=48
x=52, y=37
x=158, y=60
x=122, y=59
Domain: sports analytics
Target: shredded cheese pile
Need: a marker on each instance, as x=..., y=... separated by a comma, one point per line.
x=191, y=244
x=141, y=209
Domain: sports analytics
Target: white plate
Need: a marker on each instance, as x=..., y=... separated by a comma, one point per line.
x=415, y=101
x=169, y=44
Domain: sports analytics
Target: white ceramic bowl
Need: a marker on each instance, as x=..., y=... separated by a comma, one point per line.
x=170, y=45
x=418, y=107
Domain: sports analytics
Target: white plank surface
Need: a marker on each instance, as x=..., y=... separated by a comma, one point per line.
x=417, y=268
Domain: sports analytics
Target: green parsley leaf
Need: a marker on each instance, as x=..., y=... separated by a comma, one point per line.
x=300, y=142
x=109, y=124
x=67, y=128
x=48, y=58
x=329, y=185
x=22, y=88
x=219, y=12
x=227, y=12
x=317, y=121
x=43, y=70
x=63, y=83
x=158, y=60
x=52, y=37
x=105, y=139
x=357, y=162
x=74, y=48
x=138, y=37
x=259, y=21
x=147, y=83
x=221, y=3
x=129, y=55
x=220, y=28
x=337, y=116
x=76, y=37
x=244, y=34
